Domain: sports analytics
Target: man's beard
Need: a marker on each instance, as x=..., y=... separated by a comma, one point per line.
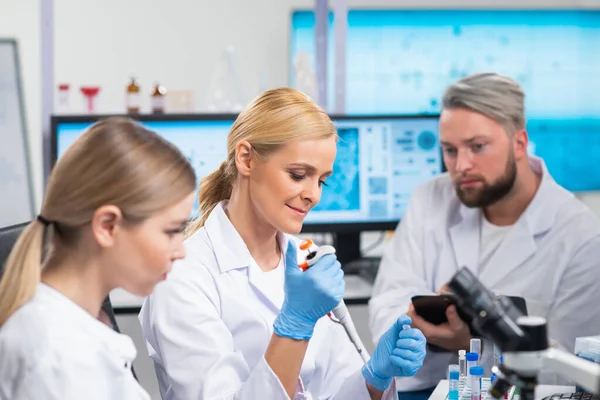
x=489, y=193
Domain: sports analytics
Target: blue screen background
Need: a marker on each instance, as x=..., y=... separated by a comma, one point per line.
x=344, y=199
x=400, y=62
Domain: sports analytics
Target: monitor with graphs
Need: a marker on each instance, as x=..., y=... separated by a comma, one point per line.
x=380, y=160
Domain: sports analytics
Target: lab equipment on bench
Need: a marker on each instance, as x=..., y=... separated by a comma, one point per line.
x=340, y=312
x=453, y=381
x=462, y=365
x=587, y=347
x=472, y=361
x=523, y=341
x=476, y=373
x=475, y=345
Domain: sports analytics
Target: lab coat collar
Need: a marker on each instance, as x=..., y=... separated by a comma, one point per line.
x=72, y=314
x=229, y=247
x=519, y=243
x=232, y=253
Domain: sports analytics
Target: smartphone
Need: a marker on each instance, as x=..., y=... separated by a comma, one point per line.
x=433, y=308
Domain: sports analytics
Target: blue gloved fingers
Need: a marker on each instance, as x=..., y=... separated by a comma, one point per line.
x=408, y=354
x=340, y=289
x=411, y=333
x=327, y=264
x=403, y=320
x=308, y=295
x=408, y=368
x=335, y=286
x=414, y=345
x=339, y=276
x=326, y=272
x=291, y=257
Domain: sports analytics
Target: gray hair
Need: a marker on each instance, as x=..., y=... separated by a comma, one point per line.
x=495, y=96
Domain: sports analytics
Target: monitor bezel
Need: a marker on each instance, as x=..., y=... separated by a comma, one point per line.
x=346, y=227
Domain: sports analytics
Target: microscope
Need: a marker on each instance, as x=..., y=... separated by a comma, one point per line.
x=522, y=339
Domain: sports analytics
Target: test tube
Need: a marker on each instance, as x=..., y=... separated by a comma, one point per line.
x=476, y=347
x=501, y=361
x=497, y=355
x=453, y=377
x=476, y=373
x=472, y=359
x=462, y=364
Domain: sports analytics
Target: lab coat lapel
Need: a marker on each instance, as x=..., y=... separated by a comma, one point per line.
x=520, y=242
x=464, y=236
x=518, y=245
x=232, y=254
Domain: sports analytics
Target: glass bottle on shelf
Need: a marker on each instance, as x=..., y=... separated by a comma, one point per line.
x=158, y=99
x=63, y=98
x=133, y=96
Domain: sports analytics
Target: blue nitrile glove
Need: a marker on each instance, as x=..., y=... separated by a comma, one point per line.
x=400, y=352
x=309, y=295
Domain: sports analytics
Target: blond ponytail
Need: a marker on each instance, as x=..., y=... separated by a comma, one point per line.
x=214, y=188
x=22, y=271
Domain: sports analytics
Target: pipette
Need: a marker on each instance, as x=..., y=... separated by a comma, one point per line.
x=340, y=311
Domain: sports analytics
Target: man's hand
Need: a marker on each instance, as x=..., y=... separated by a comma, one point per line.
x=444, y=289
x=453, y=335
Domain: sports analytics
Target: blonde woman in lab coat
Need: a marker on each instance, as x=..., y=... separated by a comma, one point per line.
x=237, y=318
x=111, y=224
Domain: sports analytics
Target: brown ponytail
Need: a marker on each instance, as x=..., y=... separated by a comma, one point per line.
x=22, y=271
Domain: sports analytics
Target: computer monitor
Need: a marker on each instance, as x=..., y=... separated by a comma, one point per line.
x=202, y=138
x=380, y=160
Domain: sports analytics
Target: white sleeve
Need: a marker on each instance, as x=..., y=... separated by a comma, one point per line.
x=401, y=273
x=57, y=378
x=192, y=347
x=343, y=377
x=355, y=387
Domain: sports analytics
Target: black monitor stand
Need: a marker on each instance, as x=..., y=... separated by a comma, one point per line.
x=347, y=246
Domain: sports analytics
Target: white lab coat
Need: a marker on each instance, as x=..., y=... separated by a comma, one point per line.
x=53, y=349
x=208, y=325
x=551, y=257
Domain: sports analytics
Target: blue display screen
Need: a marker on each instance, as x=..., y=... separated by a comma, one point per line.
x=401, y=61
x=379, y=162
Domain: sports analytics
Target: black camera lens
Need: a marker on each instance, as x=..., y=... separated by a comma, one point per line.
x=492, y=317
